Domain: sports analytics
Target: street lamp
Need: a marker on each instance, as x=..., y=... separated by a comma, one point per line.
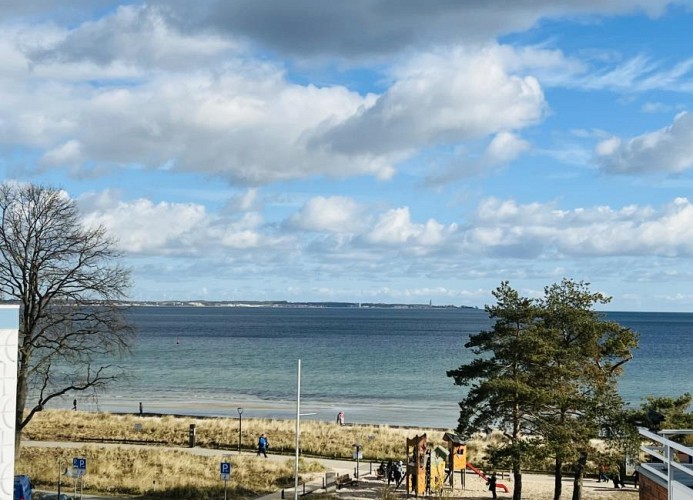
x=298, y=427
x=357, y=456
x=240, y=427
x=60, y=470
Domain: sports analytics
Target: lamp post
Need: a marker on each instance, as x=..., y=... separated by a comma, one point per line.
x=60, y=461
x=357, y=456
x=298, y=427
x=240, y=427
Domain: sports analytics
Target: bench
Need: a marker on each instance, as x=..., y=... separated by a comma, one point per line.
x=344, y=480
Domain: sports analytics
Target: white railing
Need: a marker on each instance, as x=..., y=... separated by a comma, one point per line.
x=678, y=485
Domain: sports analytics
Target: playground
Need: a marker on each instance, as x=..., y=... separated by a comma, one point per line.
x=445, y=472
x=535, y=487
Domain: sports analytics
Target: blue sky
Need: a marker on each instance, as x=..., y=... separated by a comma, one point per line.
x=394, y=151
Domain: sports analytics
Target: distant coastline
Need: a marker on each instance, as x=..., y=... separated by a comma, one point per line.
x=285, y=304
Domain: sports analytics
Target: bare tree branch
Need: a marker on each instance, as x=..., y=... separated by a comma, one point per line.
x=67, y=279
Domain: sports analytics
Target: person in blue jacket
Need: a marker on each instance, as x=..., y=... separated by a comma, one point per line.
x=262, y=445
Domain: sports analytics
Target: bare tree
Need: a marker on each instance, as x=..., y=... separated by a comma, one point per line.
x=67, y=279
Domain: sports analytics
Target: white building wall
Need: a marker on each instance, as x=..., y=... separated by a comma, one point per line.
x=9, y=329
x=681, y=492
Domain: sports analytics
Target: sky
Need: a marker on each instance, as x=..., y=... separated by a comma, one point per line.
x=367, y=150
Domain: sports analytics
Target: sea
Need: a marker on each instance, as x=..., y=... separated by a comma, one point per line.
x=377, y=365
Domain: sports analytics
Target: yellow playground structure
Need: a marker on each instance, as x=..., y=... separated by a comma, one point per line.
x=426, y=468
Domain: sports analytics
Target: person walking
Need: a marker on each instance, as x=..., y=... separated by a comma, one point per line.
x=140, y=408
x=74, y=405
x=390, y=472
x=492, y=484
x=262, y=445
x=399, y=473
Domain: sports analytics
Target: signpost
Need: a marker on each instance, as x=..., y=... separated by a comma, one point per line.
x=79, y=469
x=225, y=470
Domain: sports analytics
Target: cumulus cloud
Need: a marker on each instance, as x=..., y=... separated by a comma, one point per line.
x=133, y=35
x=440, y=99
x=395, y=227
x=667, y=150
x=497, y=229
x=504, y=227
x=334, y=214
x=117, y=92
x=144, y=228
x=241, y=121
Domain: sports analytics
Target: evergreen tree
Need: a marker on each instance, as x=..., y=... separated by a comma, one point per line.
x=500, y=382
x=582, y=356
x=661, y=412
x=549, y=369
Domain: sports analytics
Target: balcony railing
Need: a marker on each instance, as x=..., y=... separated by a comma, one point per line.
x=672, y=468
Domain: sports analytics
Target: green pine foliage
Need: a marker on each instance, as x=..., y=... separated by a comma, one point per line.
x=546, y=375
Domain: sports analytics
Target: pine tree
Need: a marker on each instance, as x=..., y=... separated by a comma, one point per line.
x=582, y=363
x=499, y=379
x=547, y=370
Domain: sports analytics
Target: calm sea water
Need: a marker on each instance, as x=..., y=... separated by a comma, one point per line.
x=376, y=365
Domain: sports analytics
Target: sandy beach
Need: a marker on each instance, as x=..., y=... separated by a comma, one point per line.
x=535, y=487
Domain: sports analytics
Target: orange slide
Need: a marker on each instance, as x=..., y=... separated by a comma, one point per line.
x=500, y=486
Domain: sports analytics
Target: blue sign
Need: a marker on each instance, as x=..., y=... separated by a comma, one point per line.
x=225, y=470
x=79, y=466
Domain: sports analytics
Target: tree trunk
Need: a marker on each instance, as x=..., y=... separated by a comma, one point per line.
x=558, y=480
x=22, y=389
x=517, y=479
x=579, y=473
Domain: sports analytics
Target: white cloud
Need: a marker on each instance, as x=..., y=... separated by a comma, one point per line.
x=498, y=228
x=111, y=93
x=65, y=154
x=335, y=214
x=395, y=227
x=134, y=35
x=543, y=231
x=505, y=147
x=667, y=150
x=142, y=227
x=240, y=121
x=440, y=99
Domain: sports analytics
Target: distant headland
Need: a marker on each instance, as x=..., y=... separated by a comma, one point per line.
x=286, y=304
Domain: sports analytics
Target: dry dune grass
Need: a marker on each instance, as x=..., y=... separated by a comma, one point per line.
x=159, y=473
x=317, y=438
